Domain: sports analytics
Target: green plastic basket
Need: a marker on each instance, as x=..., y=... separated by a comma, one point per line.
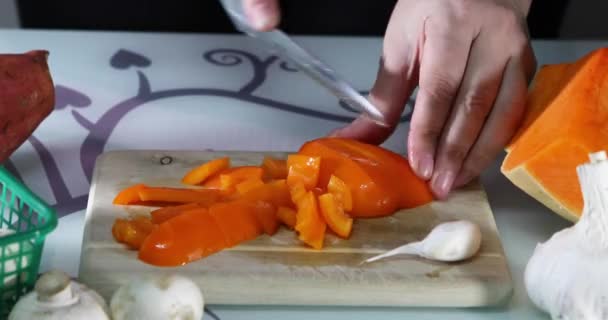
x=30, y=220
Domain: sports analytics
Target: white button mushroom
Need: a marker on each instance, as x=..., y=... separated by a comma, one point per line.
x=167, y=297
x=57, y=297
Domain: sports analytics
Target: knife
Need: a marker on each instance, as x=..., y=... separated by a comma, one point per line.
x=278, y=42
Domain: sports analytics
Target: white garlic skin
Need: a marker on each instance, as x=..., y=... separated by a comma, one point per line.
x=567, y=276
x=164, y=297
x=566, y=281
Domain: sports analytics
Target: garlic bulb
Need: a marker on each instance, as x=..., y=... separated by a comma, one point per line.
x=56, y=297
x=567, y=276
x=158, y=298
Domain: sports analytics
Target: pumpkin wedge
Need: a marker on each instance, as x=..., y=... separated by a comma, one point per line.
x=567, y=112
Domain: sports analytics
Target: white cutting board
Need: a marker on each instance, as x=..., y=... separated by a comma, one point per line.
x=278, y=270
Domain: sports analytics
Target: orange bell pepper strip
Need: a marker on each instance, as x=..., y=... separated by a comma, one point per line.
x=238, y=221
x=190, y=236
x=275, y=192
x=227, y=179
x=287, y=216
x=309, y=224
x=341, y=192
x=333, y=214
x=274, y=168
x=163, y=214
x=249, y=185
x=178, y=195
x=199, y=174
x=129, y=195
x=304, y=169
x=132, y=232
x=231, y=179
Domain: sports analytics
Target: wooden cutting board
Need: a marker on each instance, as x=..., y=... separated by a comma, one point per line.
x=278, y=270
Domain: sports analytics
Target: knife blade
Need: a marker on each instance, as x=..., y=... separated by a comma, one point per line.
x=281, y=44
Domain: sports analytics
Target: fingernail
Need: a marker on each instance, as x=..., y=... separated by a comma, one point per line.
x=442, y=183
x=261, y=17
x=425, y=166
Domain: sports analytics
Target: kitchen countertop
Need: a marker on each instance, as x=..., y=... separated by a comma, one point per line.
x=120, y=90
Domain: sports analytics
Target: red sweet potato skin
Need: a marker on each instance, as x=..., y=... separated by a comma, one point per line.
x=27, y=97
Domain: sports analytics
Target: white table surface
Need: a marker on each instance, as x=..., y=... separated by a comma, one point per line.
x=193, y=103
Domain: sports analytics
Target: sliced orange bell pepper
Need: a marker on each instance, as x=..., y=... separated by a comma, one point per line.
x=341, y=192
x=304, y=169
x=274, y=168
x=309, y=223
x=297, y=192
x=188, y=237
x=178, y=195
x=229, y=178
x=201, y=173
x=163, y=214
x=238, y=221
x=287, y=216
x=248, y=185
x=132, y=232
x=390, y=168
x=333, y=214
x=129, y=195
x=275, y=192
x=381, y=182
x=266, y=213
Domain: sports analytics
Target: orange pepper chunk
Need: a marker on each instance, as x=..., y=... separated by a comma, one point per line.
x=309, y=223
x=230, y=178
x=248, y=185
x=201, y=173
x=266, y=214
x=297, y=192
x=204, y=197
x=333, y=214
x=163, y=214
x=304, y=169
x=341, y=192
x=188, y=237
x=274, y=168
x=275, y=192
x=129, y=195
x=132, y=232
x=287, y=216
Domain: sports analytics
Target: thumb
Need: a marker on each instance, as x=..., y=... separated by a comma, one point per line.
x=263, y=15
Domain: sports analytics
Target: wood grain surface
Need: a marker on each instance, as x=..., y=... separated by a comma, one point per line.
x=279, y=270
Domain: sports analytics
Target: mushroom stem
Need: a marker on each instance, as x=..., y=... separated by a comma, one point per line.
x=54, y=287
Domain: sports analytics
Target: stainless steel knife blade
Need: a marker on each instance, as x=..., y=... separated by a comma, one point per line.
x=279, y=43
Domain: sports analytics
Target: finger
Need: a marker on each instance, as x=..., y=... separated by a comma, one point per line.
x=500, y=125
x=443, y=62
x=264, y=15
x=475, y=98
x=395, y=81
x=389, y=94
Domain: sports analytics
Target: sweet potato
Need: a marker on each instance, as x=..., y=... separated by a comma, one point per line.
x=27, y=97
